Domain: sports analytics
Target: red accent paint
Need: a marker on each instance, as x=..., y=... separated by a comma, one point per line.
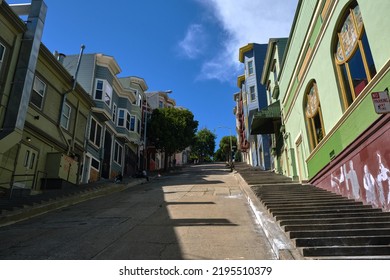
x=362, y=171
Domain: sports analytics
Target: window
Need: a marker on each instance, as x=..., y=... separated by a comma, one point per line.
x=103, y=91
x=354, y=62
x=95, y=164
x=269, y=91
x=114, y=112
x=132, y=123
x=160, y=104
x=65, y=117
x=118, y=151
x=26, y=158
x=39, y=89
x=275, y=71
x=313, y=115
x=250, y=67
x=252, y=93
x=138, y=126
x=121, y=117
x=2, y=53
x=95, y=133
x=128, y=121
x=29, y=159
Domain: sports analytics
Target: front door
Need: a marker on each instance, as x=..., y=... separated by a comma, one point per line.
x=107, y=155
x=24, y=175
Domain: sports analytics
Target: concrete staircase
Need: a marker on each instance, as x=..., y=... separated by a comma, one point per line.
x=322, y=224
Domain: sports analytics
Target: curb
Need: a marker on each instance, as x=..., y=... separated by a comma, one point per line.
x=282, y=246
x=61, y=202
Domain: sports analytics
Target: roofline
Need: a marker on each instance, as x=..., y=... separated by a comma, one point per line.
x=243, y=50
x=290, y=36
x=240, y=80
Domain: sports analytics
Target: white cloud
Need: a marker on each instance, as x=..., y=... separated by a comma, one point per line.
x=193, y=44
x=244, y=21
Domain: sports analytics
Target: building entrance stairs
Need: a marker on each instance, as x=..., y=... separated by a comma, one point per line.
x=321, y=224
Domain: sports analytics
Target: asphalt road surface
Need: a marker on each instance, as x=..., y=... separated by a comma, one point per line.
x=199, y=213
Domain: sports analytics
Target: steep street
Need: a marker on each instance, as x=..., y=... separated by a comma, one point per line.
x=199, y=213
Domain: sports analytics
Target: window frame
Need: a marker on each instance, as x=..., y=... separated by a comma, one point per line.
x=3, y=49
x=66, y=117
x=252, y=95
x=95, y=132
x=251, y=68
x=114, y=112
x=343, y=58
x=310, y=120
x=97, y=161
x=118, y=153
x=133, y=123
x=105, y=92
x=121, y=119
x=36, y=91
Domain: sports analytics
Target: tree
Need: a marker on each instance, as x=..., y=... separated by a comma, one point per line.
x=204, y=145
x=219, y=156
x=224, y=146
x=172, y=130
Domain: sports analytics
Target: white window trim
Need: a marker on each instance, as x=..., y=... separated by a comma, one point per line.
x=41, y=94
x=253, y=67
x=250, y=94
x=124, y=118
x=91, y=166
x=132, y=117
x=119, y=154
x=66, y=117
x=127, y=120
x=95, y=136
x=2, y=55
x=106, y=92
x=114, y=113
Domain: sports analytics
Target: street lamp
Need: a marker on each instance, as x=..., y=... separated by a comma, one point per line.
x=231, y=144
x=147, y=97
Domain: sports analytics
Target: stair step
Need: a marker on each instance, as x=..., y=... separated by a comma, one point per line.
x=338, y=233
x=374, y=250
x=332, y=215
x=335, y=221
x=343, y=241
x=313, y=204
x=288, y=228
x=304, y=199
x=318, y=207
x=325, y=211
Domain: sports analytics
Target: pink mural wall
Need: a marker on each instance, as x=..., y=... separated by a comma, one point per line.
x=362, y=172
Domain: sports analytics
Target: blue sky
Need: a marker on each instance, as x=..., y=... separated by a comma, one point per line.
x=187, y=46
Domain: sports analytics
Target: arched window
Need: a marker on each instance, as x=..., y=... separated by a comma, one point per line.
x=355, y=65
x=313, y=115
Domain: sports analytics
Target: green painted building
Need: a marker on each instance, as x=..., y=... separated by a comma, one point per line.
x=333, y=90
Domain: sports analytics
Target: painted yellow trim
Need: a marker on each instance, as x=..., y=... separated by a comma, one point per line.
x=240, y=80
x=243, y=50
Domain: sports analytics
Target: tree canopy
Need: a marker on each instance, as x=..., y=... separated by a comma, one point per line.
x=204, y=144
x=172, y=129
x=224, y=145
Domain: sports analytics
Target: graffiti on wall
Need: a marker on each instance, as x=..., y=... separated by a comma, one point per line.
x=363, y=175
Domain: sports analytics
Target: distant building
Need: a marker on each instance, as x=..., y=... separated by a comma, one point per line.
x=253, y=99
x=156, y=100
x=268, y=119
x=114, y=127
x=241, y=120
